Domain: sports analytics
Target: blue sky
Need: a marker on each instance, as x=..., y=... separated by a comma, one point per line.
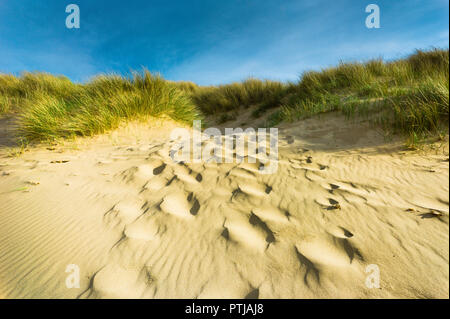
x=212, y=41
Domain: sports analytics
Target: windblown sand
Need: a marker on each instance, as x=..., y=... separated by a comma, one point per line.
x=139, y=225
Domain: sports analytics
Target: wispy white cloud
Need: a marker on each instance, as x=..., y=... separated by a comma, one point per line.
x=213, y=42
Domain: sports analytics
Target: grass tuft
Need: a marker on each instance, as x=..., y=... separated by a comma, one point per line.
x=408, y=96
x=54, y=107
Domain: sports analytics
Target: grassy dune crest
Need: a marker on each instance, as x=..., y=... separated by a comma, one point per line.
x=228, y=97
x=408, y=96
x=52, y=107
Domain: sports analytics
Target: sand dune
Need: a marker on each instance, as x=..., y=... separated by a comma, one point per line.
x=139, y=225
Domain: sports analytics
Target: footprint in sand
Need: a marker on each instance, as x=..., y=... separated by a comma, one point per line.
x=254, y=188
x=271, y=214
x=124, y=212
x=156, y=184
x=186, y=175
x=244, y=233
x=252, y=233
x=256, y=221
x=312, y=273
x=137, y=173
x=328, y=250
x=114, y=281
x=142, y=229
x=178, y=204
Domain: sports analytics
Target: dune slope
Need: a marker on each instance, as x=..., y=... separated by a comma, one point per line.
x=139, y=225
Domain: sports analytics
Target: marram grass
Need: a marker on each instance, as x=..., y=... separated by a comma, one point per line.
x=408, y=96
x=53, y=107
